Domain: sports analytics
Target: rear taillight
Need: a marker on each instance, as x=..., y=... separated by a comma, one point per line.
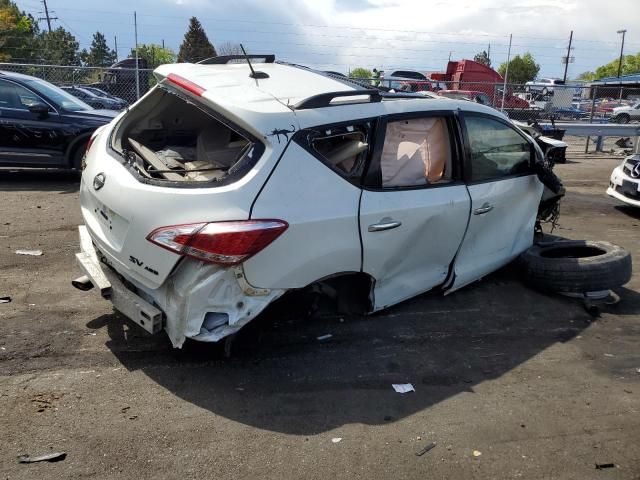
x=188, y=85
x=225, y=243
x=89, y=143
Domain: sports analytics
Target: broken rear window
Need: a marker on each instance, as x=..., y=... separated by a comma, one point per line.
x=169, y=138
x=344, y=148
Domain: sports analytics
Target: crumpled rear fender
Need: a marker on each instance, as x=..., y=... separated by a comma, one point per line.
x=196, y=288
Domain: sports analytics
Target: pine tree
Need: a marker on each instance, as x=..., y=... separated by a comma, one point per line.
x=99, y=55
x=195, y=46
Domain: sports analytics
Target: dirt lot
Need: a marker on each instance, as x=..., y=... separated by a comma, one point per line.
x=533, y=382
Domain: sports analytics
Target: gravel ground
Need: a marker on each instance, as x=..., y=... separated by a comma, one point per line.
x=531, y=383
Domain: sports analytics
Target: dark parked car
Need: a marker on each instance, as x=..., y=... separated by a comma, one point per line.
x=41, y=125
x=102, y=93
x=95, y=100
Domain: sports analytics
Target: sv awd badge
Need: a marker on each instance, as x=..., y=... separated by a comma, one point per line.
x=98, y=181
x=141, y=264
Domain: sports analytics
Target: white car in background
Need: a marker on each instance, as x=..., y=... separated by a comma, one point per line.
x=543, y=86
x=224, y=188
x=626, y=114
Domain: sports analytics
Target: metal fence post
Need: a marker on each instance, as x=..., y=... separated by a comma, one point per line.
x=593, y=108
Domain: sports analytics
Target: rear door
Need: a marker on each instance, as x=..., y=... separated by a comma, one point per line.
x=27, y=138
x=505, y=194
x=415, y=206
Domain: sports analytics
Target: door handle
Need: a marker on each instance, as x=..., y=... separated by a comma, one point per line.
x=384, y=225
x=485, y=208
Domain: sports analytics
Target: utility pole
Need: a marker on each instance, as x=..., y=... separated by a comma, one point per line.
x=623, y=32
x=163, y=43
x=47, y=17
x=135, y=26
x=567, y=58
x=506, y=73
x=489, y=54
x=115, y=41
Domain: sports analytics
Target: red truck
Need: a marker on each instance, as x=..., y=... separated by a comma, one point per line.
x=467, y=75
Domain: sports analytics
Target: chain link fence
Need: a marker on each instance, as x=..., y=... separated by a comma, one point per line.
x=111, y=81
x=523, y=102
x=535, y=102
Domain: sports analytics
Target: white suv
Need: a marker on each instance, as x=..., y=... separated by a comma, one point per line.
x=223, y=188
x=543, y=85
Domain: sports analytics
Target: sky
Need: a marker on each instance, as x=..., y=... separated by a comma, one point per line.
x=387, y=34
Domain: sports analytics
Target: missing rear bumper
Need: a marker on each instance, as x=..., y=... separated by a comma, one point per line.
x=112, y=288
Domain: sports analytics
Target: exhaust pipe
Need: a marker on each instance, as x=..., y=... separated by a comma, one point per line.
x=82, y=283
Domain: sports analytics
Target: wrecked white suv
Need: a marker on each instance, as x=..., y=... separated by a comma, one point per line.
x=224, y=187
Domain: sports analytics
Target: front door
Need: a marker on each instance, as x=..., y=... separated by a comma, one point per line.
x=26, y=138
x=415, y=208
x=505, y=195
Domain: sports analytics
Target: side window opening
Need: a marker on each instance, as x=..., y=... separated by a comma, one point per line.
x=344, y=148
x=416, y=152
x=497, y=150
x=168, y=138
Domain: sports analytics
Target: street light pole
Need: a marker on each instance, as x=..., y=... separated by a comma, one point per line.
x=623, y=32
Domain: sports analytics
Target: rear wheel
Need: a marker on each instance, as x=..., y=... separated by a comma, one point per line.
x=576, y=266
x=623, y=118
x=78, y=156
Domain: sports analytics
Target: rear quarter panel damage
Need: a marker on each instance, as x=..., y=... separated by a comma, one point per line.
x=196, y=288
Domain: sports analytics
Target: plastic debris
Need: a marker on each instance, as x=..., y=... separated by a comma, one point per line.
x=601, y=466
x=427, y=447
x=477, y=453
x=324, y=337
x=609, y=355
x=403, y=387
x=5, y=299
x=336, y=439
x=47, y=457
x=33, y=253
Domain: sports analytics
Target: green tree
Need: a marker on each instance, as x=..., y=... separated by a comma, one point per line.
x=58, y=47
x=360, y=73
x=18, y=33
x=195, y=46
x=99, y=55
x=522, y=69
x=154, y=54
x=630, y=65
x=483, y=58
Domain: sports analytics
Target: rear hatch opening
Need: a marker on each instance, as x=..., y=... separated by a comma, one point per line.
x=169, y=138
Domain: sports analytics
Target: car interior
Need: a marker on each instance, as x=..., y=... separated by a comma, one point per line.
x=171, y=139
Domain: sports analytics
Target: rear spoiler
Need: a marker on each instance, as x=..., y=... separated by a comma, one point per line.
x=224, y=59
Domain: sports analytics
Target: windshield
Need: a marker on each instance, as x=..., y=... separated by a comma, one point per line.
x=97, y=92
x=91, y=93
x=59, y=96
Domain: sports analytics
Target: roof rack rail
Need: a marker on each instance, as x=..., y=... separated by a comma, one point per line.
x=224, y=59
x=324, y=99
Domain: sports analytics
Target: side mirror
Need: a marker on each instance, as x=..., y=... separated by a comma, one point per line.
x=39, y=109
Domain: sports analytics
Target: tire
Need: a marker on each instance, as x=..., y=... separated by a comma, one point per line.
x=623, y=118
x=545, y=91
x=78, y=156
x=576, y=266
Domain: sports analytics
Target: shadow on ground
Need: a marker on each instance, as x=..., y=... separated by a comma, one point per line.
x=52, y=180
x=633, y=212
x=281, y=378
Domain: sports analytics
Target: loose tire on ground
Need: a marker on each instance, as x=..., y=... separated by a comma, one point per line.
x=576, y=266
